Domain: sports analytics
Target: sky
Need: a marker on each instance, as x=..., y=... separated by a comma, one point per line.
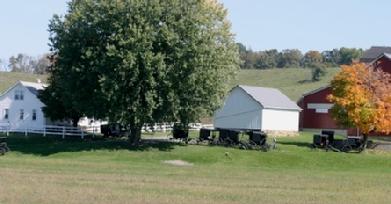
x=258, y=24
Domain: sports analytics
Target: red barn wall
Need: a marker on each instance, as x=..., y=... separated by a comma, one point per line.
x=310, y=119
x=383, y=63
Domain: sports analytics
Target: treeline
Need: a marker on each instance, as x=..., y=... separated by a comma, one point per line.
x=273, y=58
x=28, y=64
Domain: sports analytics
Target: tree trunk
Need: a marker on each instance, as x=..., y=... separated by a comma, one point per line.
x=135, y=134
x=75, y=121
x=365, y=142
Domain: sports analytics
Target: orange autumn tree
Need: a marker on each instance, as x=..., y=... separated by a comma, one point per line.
x=362, y=98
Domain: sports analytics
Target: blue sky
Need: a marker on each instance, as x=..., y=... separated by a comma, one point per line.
x=259, y=24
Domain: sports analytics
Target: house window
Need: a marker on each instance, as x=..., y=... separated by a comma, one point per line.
x=21, y=114
x=6, y=114
x=34, y=116
x=19, y=95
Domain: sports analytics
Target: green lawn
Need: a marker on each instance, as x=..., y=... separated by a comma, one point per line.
x=47, y=170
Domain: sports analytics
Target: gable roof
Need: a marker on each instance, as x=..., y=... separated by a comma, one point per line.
x=31, y=86
x=374, y=52
x=386, y=55
x=270, y=97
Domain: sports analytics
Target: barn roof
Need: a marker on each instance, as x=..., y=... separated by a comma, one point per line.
x=270, y=98
x=374, y=52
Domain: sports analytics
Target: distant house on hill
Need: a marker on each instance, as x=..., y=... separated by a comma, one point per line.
x=257, y=108
x=20, y=107
x=373, y=53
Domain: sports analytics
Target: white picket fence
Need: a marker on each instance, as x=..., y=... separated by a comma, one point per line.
x=67, y=131
x=63, y=131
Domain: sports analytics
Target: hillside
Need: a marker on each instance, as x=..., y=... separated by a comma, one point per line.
x=292, y=81
x=7, y=79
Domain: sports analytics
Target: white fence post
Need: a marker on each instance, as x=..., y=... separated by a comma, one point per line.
x=82, y=134
x=25, y=132
x=63, y=132
x=44, y=131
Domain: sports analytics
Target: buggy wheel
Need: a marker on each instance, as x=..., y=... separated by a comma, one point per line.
x=346, y=148
x=2, y=151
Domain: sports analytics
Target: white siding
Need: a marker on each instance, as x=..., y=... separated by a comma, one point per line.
x=28, y=104
x=239, y=111
x=284, y=120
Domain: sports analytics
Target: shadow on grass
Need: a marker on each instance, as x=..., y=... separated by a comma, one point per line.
x=299, y=144
x=46, y=146
x=305, y=81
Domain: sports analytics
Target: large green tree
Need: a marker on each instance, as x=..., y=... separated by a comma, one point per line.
x=138, y=61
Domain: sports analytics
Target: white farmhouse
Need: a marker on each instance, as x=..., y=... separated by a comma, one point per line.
x=20, y=107
x=257, y=108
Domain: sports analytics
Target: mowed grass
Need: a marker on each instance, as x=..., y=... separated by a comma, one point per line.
x=291, y=81
x=49, y=170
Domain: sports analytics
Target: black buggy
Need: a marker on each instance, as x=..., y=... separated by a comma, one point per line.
x=325, y=140
x=3, y=146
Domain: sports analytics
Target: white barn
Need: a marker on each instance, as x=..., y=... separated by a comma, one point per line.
x=257, y=108
x=20, y=107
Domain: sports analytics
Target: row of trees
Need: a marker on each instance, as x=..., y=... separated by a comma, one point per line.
x=295, y=58
x=28, y=64
x=137, y=62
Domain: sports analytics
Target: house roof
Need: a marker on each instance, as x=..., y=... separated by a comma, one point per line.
x=33, y=87
x=374, y=52
x=270, y=98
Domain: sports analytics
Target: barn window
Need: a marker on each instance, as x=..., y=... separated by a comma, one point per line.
x=321, y=110
x=21, y=114
x=6, y=114
x=34, y=116
x=19, y=95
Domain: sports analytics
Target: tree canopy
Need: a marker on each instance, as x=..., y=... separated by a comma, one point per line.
x=141, y=61
x=362, y=99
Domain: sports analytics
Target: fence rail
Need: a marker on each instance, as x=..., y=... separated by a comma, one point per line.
x=65, y=131
x=62, y=131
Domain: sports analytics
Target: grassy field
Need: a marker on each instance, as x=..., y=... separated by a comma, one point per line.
x=7, y=79
x=45, y=170
x=291, y=81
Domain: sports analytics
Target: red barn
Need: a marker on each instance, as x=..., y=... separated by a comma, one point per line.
x=316, y=108
x=383, y=62
x=316, y=112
